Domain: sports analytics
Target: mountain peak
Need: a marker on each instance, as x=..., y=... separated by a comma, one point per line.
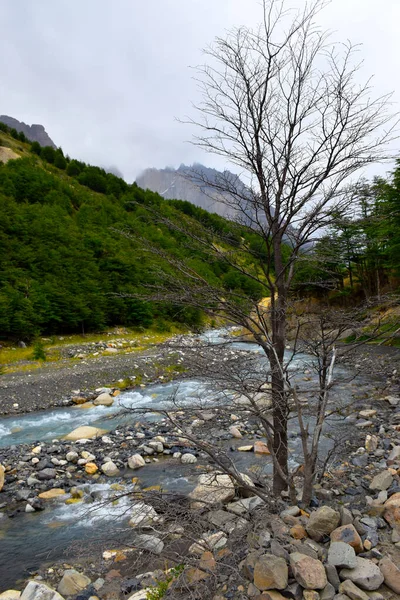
x=34, y=132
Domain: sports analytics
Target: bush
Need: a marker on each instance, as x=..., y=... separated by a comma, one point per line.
x=39, y=352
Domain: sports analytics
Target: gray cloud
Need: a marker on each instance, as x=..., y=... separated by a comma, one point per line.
x=107, y=79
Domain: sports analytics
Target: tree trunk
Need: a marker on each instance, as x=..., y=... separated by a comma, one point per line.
x=280, y=445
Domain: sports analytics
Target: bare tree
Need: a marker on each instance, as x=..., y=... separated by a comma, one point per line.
x=284, y=106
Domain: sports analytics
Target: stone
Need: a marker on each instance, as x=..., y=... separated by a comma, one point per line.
x=72, y=457
x=215, y=541
x=151, y=543
x=110, y=469
x=261, y=447
x=322, y=522
x=103, y=400
x=328, y=593
x=36, y=590
x=371, y=443
x=2, y=471
x=188, y=459
x=298, y=532
x=367, y=414
x=245, y=505
x=349, y=535
x=382, y=481
x=46, y=474
x=391, y=574
x=212, y=488
x=270, y=573
x=245, y=449
x=332, y=576
x=352, y=591
x=91, y=468
x=85, y=432
x=142, y=515
x=346, y=518
x=136, y=461
x=391, y=510
x=10, y=595
x=342, y=555
x=308, y=572
x=53, y=493
x=72, y=583
x=394, y=456
x=366, y=574
x=235, y=433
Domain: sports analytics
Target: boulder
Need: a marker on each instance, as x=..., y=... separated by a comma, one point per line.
x=392, y=511
x=72, y=583
x=234, y=431
x=308, y=572
x=349, y=535
x=352, y=591
x=366, y=574
x=142, y=515
x=35, y=590
x=50, y=494
x=46, y=474
x=91, y=468
x=328, y=593
x=86, y=432
x=104, y=400
x=136, y=461
x=391, y=574
x=151, y=543
x=188, y=459
x=212, y=488
x=342, y=555
x=322, y=522
x=2, y=471
x=261, y=447
x=10, y=595
x=270, y=573
x=382, y=481
x=394, y=456
x=110, y=469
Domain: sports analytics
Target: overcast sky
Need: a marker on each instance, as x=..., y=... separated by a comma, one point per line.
x=108, y=77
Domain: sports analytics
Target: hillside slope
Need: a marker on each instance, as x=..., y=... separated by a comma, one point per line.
x=34, y=133
x=64, y=265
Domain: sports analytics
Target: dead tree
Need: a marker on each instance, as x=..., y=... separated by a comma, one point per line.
x=284, y=106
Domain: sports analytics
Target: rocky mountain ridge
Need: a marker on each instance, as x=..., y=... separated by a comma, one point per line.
x=34, y=132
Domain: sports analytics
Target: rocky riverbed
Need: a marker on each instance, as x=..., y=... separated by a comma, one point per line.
x=202, y=535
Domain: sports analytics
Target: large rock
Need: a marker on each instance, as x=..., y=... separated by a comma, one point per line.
x=270, y=573
x=392, y=511
x=2, y=471
x=391, y=573
x=352, y=591
x=86, y=432
x=349, y=535
x=72, y=583
x=188, y=459
x=322, y=522
x=366, y=574
x=104, y=400
x=308, y=572
x=10, y=595
x=110, y=469
x=50, y=494
x=35, y=590
x=151, y=543
x=382, y=481
x=342, y=555
x=136, y=461
x=142, y=515
x=212, y=488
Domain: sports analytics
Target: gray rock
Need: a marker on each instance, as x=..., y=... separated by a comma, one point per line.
x=72, y=583
x=328, y=593
x=149, y=542
x=352, y=591
x=188, y=459
x=391, y=573
x=332, y=576
x=322, y=522
x=47, y=474
x=346, y=518
x=382, y=481
x=36, y=590
x=342, y=555
x=241, y=507
x=110, y=469
x=366, y=574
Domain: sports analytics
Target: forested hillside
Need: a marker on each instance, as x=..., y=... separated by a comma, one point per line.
x=64, y=266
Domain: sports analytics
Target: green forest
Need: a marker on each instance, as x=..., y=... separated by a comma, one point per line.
x=66, y=267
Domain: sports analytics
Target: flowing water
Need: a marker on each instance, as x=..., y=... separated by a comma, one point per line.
x=30, y=540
